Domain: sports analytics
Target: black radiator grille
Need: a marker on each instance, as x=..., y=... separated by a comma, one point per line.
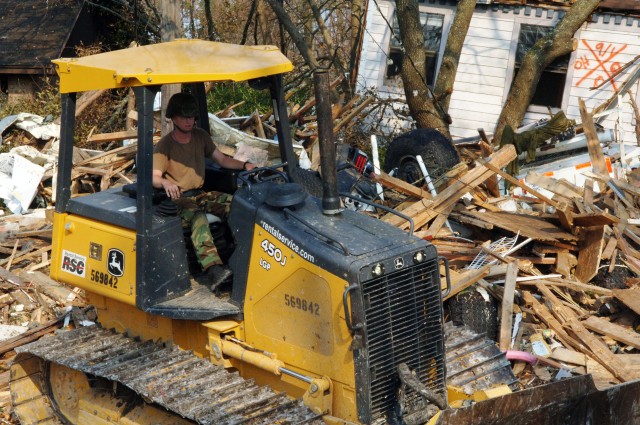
x=403, y=317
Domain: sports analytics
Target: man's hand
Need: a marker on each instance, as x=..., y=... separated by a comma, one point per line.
x=171, y=189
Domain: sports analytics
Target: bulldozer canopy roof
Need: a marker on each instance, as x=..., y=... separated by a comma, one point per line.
x=178, y=61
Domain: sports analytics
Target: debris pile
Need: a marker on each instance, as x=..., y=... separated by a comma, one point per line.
x=554, y=270
x=557, y=262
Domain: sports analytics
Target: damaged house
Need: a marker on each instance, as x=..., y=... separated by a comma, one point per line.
x=604, y=61
x=33, y=33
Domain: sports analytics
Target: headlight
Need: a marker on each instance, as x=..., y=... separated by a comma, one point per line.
x=378, y=270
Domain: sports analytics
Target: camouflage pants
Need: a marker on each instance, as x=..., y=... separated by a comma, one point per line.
x=193, y=214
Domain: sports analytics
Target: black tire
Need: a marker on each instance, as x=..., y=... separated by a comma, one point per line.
x=437, y=152
x=470, y=308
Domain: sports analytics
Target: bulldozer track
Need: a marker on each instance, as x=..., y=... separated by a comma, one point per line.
x=164, y=375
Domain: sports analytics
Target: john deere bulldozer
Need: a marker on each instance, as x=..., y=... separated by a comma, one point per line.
x=332, y=316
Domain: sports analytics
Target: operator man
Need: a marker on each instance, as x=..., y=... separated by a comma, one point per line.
x=179, y=169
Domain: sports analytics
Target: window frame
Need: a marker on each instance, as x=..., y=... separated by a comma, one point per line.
x=446, y=12
x=532, y=108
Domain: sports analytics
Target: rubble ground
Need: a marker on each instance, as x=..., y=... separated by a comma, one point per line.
x=552, y=267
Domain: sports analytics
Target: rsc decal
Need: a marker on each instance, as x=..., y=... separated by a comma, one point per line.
x=74, y=263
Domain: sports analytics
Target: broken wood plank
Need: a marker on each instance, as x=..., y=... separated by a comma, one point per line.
x=543, y=313
x=512, y=179
x=402, y=186
x=565, y=355
x=597, y=348
x=30, y=335
x=613, y=331
x=425, y=210
x=629, y=297
x=589, y=254
x=463, y=280
x=593, y=143
x=117, y=136
x=527, y=225
x=557, y=186
x=595, y=219
x=506, y=314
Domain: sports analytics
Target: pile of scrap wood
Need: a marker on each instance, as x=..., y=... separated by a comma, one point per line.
x=564, y=265
x=112, y=162
x=31, y=303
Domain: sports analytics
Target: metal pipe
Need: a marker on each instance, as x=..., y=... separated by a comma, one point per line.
x=260, y=360
x=289, y=372
x=330, y=199
x=255, y=358
x=65, y=152
x=376, y=164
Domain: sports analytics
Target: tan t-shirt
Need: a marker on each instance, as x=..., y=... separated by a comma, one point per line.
x=183, y=164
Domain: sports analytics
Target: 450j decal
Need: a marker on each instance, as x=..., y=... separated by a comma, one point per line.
x=273, y=252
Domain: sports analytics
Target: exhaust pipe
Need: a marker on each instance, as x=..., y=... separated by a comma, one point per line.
x=331, y=204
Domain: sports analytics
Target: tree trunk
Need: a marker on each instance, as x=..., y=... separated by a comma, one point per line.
x=557, y=43
x=451, y=57
x=170, y=29
x=264, y=28
x=414, y=79
x=212, y=34
x=358, y=22
x=296, y=36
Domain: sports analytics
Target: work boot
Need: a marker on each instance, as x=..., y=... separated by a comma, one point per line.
x=218, y=274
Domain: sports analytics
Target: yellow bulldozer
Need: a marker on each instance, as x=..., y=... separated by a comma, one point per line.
x=331, y=318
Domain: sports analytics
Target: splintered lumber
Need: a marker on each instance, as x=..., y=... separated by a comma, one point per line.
x=593, y=144
x=31, y=335
x=613, y=331
x=595, y=219
x=575, y=286
x=463, y=280
x=565, y=355
x=26, y=255
x=506, y=315
x=543, y=313
x=402, y=186
x=425, y=210
x=589, y=254
x=529, y=226
x=558, y=186
x=512, y=179
x=598, y=349
x=118, y=136
x=58, y=292
x=629, y=297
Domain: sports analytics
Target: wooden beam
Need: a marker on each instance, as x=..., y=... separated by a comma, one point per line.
x=613, y=331
x=402, y=186
x=593, y=144
x=113, y=137
x=425, y=210
x=629, y=297
x=506, y=314
x=589, y=254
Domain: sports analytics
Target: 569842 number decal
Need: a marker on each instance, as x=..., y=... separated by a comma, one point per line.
x=104, y=279
x=274, y=252
x=302, y=304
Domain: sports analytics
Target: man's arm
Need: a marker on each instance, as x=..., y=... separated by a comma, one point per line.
x=172, y=190
x=228, y=162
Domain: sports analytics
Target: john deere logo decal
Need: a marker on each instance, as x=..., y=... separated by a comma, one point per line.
x=115, y=262
x=398, y=263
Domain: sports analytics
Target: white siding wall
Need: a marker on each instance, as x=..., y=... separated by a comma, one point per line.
x=480, y=83
x=600, y=52
x=486, y=64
